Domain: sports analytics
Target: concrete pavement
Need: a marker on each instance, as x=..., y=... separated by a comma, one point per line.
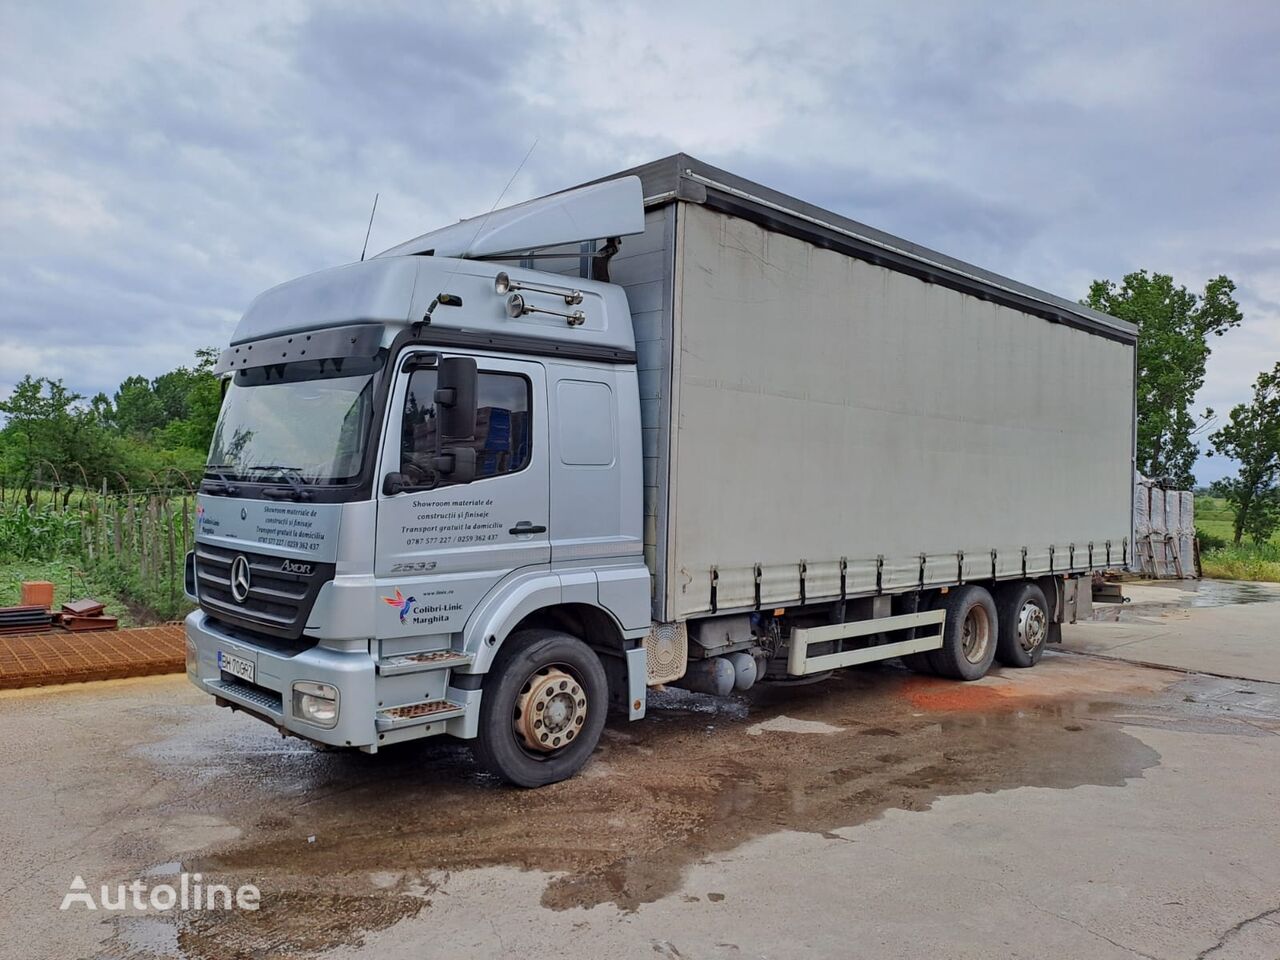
x=1223, y=628
x=1086, y=808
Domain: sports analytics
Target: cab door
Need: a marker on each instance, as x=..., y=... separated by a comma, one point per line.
x=440, y=550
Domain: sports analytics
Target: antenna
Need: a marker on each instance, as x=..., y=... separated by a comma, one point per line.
x=528, y=153
x=427, y=316
x=365, y=248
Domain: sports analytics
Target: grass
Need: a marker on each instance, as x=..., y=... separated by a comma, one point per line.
x=70, y=582
x=1249, y=561
x=1215, y=518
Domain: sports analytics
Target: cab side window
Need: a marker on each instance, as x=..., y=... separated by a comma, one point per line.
x=501, y=436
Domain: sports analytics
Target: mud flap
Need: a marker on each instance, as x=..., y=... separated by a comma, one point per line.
x=627, y=675
x=637, y=686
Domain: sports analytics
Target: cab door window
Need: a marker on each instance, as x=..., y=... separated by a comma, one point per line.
x=501, y=436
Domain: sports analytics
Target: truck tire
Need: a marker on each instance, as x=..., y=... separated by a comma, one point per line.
x=921, y=662
x=542, y=708
x=1023, y=614
x=917, y=662
x=970, y=635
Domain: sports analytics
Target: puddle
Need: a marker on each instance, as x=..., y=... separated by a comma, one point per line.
x=785, y=724
x=1184, y=594
x=341, y=844
x=1221, y=593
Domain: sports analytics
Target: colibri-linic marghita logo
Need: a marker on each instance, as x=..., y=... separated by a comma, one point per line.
x=405, y=604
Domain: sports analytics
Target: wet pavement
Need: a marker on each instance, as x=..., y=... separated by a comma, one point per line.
x=1151, y=598
x=1127, y=805
x=1226, y=628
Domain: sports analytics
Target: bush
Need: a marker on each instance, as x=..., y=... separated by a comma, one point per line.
x=1248, y=561
x=39, y=532
x=132, y=548
x=158, y=600
x=1209, y=541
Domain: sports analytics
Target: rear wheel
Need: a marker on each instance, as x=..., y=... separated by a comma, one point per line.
x=1024, y=624
x=917, y=662
x=969, y=637
x=542, y=709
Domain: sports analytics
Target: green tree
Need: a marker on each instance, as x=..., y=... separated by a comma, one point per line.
x=1251, y=436
x=49, y=432
x=191, y=426
x=1174, y=326
x=136, y=410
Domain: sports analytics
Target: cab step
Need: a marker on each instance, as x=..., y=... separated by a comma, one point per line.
x=421, y=662
x=411, y=714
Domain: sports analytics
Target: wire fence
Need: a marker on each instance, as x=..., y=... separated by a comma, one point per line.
x=134, y=539
x=71, y=485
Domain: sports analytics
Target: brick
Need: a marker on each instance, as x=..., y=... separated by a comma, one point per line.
x=33, y=660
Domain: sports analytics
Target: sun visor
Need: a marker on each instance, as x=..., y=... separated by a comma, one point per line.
x=354, y=340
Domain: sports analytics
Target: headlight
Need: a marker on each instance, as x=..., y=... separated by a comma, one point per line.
x=315, y=703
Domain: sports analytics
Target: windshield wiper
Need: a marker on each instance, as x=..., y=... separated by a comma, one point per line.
x=290, y=475
x=286, y=472
x=226, y=487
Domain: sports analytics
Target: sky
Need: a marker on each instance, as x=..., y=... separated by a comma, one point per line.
x=164, y=163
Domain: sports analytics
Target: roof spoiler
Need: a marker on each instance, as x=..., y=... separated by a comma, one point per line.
x=613, y=208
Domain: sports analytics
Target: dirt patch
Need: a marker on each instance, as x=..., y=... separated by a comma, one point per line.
x=1009, y=688
x=352, y=843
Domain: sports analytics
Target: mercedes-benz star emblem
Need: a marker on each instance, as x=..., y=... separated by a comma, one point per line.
x=240, y=578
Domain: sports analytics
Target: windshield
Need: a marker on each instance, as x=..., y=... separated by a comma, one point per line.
x=306, y=421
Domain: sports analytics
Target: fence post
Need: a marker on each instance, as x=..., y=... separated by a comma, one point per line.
x=173, y=567
x=157, y=539
x=140, y=531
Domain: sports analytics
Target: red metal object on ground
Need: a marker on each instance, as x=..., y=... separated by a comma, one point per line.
x=78, y=624
x=34, y=660
x=26, y=619
x=83, y=608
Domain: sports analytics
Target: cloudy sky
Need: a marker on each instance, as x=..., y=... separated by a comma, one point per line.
x=163, y=163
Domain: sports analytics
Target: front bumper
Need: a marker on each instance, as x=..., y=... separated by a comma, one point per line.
x=270, y=696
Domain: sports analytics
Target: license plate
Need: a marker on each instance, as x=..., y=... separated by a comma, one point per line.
x=236, y=666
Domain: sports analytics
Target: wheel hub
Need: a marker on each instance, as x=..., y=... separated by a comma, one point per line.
x=1033, y=625
x=975, y=634
x=550, y=710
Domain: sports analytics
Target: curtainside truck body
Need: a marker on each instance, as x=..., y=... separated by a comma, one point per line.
x=670, y=427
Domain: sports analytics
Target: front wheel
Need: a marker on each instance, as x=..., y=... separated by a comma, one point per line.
x=542, y=709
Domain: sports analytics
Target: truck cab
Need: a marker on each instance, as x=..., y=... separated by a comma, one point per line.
x=417, y=456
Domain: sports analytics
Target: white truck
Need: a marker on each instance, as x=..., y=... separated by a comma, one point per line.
x=671, y=427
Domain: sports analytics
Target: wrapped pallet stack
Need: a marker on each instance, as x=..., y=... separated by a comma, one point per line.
x=1164, y=531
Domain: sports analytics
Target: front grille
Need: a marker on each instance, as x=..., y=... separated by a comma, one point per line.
x=278, y=603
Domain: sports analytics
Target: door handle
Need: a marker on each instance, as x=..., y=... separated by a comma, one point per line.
x=524, y=526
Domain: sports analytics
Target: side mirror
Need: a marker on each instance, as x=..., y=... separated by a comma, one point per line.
x=457, y=463
x=455, y=399
x=395, y=483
